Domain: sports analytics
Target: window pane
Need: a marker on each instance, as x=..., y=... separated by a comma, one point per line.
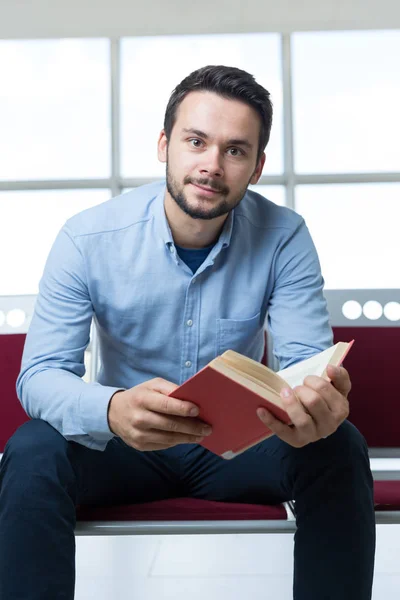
x=54, y=109
x=153, y=66
x=29, y=223
x=346, y=90
x=275, y=193
x=355, y=229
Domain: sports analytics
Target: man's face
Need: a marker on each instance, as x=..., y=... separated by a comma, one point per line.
x=211, y=154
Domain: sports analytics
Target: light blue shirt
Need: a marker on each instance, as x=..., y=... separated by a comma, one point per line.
x=117, y=263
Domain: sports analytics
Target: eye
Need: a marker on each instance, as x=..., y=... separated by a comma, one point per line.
x=236, y=151
x=195, y=142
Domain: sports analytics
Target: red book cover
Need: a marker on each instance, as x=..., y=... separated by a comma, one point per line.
x=230, y=408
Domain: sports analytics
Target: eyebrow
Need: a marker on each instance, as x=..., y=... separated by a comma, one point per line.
x=232, y=142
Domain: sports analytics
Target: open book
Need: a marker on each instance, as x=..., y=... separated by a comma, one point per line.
x=231, y=387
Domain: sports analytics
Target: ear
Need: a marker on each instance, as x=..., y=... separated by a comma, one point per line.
x=162, y=147
x=257, y=173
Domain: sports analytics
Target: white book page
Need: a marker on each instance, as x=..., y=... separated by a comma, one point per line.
x=315, y=365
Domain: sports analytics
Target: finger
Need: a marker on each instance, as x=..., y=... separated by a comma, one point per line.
x=190, y=426
x=153, y=447
x=313, y=402
x=154, y=436
x=147, y=446
x=336, y=401
x=340, y=379
x=324, y=419
x=283, y=431
x=299, y=416
x=160, y=403
x=161, y=385
x=325, y=389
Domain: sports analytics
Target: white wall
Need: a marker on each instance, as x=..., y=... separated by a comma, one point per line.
x=69, y=18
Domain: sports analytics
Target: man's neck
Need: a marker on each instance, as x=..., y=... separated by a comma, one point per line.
x=188, y=232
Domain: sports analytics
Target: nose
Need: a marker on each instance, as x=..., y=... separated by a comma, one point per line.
x=211, y=164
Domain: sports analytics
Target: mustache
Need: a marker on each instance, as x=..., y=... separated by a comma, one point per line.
x=209, y=184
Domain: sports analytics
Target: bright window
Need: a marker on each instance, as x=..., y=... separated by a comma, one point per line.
x=356, y=232
x=153, y=66
x=276, y=193
x=54, y=109
x=29, y=223
x=346, y=98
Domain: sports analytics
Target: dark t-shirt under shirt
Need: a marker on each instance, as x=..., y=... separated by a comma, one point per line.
x=193, y=257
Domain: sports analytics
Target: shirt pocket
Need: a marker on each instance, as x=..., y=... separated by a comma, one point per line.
x=241, y=335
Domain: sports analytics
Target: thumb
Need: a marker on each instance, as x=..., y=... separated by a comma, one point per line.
x=340, y=379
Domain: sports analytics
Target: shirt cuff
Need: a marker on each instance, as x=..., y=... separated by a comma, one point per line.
x=93, y=410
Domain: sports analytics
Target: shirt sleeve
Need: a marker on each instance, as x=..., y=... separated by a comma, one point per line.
x=49, y=385
x=298, y=317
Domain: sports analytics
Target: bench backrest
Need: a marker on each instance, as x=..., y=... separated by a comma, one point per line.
x=373, y=363
x=12, y=415
x=15, y=316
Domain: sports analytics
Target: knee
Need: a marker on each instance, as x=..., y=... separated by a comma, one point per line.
x=341, y=458
x=346, y=451
x=35, y=466
x=348, y=441
x=346, y=448
x=34, y=439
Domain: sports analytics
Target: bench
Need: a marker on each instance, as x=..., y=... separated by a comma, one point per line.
x=188, y=515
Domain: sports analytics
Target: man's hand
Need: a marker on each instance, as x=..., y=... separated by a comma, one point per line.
x=146, y=418
x=316, y=408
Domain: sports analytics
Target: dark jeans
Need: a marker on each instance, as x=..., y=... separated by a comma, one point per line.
x=43, y=477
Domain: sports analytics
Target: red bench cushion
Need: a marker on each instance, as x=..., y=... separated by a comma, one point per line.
x=182, y=509
x=12, y=415
x=387, y=495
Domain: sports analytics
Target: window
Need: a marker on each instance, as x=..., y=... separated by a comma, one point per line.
x=54, y=109
x=346, y=98
x=29, y=223
x=153, y=66
x=56, y=124
x=276, y=193
x=355, y=230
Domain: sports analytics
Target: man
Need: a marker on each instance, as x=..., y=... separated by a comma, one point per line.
x=175, y=274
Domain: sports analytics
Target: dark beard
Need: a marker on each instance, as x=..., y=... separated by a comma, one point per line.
x=222, y=208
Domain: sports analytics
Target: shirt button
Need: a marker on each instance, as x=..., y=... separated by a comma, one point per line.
x=188, y=363
x=171, y=249
x=189, y=323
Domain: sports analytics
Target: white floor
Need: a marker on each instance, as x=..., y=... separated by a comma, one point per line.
x=229, y=567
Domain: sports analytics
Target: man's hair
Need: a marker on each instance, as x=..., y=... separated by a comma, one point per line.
x=228, y=82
